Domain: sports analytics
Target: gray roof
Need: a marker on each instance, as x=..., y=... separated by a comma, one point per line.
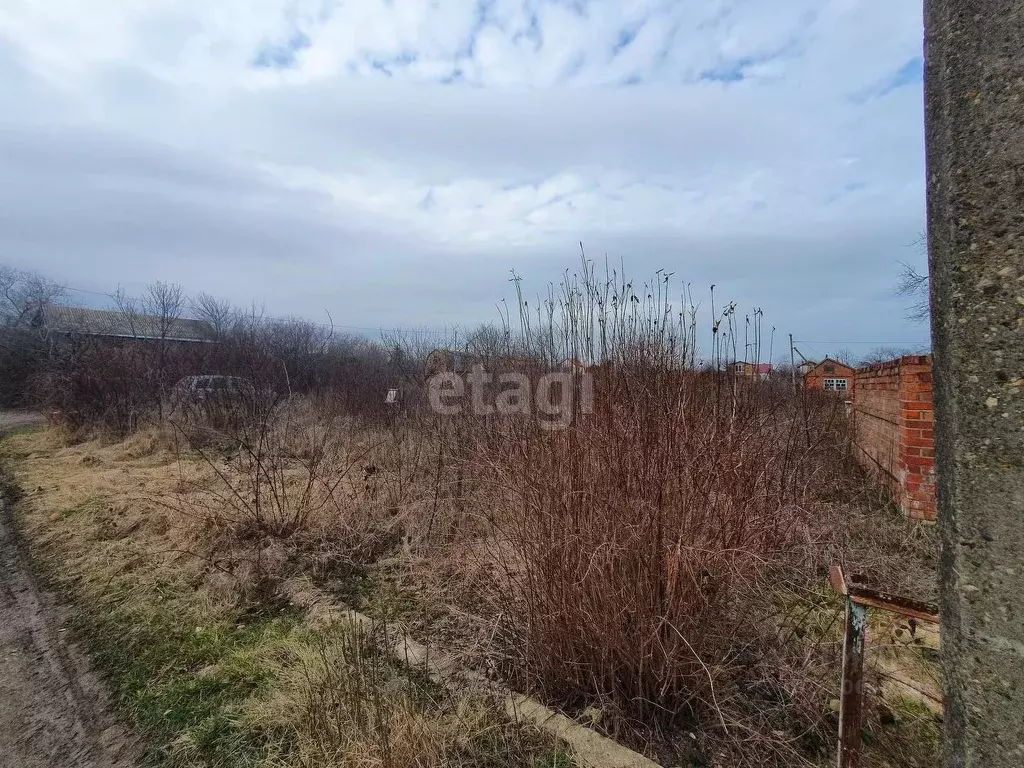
x=102, y=322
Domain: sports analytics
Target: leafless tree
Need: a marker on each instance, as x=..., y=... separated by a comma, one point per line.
x=487, y=341
x=128, y=308
x=22, y=293
x=913, y=284
x=409, y=347
x=23, y=348
x=845, y=356
x=886, y=353
x=218, y=313
x=164, y=302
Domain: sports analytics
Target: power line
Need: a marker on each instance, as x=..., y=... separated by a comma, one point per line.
x=83, y=290
x=880, y=343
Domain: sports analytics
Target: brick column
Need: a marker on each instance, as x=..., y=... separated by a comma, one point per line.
x=916, y=463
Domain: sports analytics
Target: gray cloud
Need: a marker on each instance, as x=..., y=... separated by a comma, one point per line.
x=306, y=189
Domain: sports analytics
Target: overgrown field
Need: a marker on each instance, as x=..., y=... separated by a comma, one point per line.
x=683, y=614
x=650, y=561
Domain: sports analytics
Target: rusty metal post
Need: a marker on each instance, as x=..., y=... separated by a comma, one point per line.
x=851, y=702
x=860, y=597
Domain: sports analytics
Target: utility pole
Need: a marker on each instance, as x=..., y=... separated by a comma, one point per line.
x=974, y=136
x=792, y=362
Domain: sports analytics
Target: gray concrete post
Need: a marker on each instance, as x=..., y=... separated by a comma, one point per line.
x=974, y=104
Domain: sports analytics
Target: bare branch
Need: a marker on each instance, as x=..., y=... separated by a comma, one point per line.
x=165, y=302
x=914, y=285
x=219, y=314
x=23, y=293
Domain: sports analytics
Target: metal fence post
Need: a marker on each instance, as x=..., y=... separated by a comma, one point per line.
x=851, y=702
x=860, y=597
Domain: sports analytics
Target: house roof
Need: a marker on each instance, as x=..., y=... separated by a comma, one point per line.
x=102, y=322
x=833, y=362
x=756, y=367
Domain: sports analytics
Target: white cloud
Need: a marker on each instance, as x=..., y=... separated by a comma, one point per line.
x=393, y=143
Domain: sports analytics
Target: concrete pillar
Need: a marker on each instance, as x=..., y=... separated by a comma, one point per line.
x=974, y=86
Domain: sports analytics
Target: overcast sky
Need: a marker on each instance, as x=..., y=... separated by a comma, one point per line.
x=390, y=161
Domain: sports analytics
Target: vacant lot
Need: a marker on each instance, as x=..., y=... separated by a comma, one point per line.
x=203, y=565
x=627, y=529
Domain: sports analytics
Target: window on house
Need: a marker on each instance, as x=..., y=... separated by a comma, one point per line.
x=836, y=385
x=830, y=369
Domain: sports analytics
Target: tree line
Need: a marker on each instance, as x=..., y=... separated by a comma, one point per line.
x=116, y=380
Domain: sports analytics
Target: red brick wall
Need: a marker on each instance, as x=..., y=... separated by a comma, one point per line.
x=893, y=419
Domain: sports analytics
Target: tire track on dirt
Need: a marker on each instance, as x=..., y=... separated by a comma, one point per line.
x=53, y=709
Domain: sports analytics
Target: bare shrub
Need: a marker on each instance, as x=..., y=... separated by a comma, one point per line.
x=660, y=557
x=117, y=382
x=283, y=494
x=280, y=476
x=640, y=542
x=22, y=347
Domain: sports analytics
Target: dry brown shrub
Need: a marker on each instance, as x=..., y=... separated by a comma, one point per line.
x=640, y=554
x=662, y=558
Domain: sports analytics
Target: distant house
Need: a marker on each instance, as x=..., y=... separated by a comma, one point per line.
x=61, y=321
x=753, y=370
x=831, y=375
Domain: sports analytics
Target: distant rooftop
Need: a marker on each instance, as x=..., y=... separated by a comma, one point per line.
x=763, y=368
x=104, y=322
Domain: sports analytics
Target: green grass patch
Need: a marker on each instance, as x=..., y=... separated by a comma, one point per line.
x=193, y=682
x=181, y=675
x=912, y=739
x=378, y=597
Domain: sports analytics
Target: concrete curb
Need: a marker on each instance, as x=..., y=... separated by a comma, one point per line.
x=590, y=749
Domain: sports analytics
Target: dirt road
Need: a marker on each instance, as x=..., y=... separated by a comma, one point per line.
x=53, y=710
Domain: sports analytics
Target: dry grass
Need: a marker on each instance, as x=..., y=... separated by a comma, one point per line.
x=346, y=704
x=95, y=501
x=215, y=676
